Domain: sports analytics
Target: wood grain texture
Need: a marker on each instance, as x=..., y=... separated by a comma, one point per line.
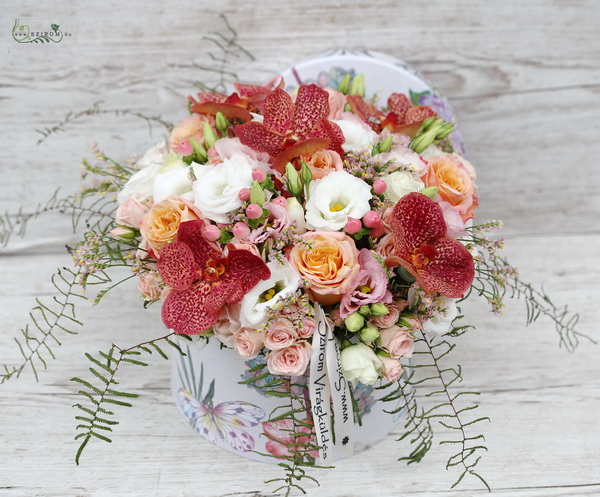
x=524, y=80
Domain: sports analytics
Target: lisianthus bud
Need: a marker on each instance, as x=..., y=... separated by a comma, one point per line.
x=368, y=334
x=241, y=230
x=379, y=309
x=254, y=211
x=244, y=194
x=305, y=173
x=294, y=183
x=371, y=219
x=221, y=123
x=257, y=195
x=354, y=322
x=211, y=232
x=200, y=153
x=344, y=86
x=358, y=86
x=364, y=309
x=185, y=148
x=386, y=145
x=360, y=363
x=210, y=137
x=123, y=232
x=353, y=226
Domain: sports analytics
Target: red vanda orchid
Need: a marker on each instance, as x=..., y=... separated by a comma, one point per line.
x=292, y=129
x=203, y=279
x=439, y=263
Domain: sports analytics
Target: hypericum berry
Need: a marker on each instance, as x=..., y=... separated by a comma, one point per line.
x=241, y=230
x=259, y=175
x=211, y=232
x=254, y=211
x=244, y=194
x=282, y=201
x=371, y=219
x=353, y=226
x=379, y=186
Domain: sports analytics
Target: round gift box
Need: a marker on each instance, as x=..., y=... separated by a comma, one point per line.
x=210, y=384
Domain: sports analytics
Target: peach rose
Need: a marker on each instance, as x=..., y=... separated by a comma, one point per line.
x=323, y=162
x=455, y=184
x=280, y=334
x=248, y=342
x=189, y=127
x=391, y=369
x=291, y=361
x=328, y=261
x=131, y=212
x=337, y=102
x=397, y=341
x=160, y=224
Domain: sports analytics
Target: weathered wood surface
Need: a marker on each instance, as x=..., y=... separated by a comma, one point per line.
x=524, y=78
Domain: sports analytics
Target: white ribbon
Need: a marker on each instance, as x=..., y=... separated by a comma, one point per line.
x=329, y=393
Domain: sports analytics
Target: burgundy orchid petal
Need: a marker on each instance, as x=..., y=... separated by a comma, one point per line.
x=190, y=233
x=230, y=111
x=177, y=266
x=259, y=138
x=278, y=110
x=194, y=311
x=312, y=105
x=247, y=270
x=416, y=219
x=449, y=272
x=398, y=103
x=328, y=129
x=306, y=147
x=440, y=263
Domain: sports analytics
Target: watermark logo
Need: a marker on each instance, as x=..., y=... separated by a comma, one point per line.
x=43, y=31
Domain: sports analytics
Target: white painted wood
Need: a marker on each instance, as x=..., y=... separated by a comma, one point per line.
x=524, y=80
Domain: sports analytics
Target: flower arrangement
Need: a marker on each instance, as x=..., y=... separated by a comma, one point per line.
x=327, y=240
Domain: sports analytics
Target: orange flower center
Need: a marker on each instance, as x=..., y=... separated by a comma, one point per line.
x=423, y=255
x=214, y=269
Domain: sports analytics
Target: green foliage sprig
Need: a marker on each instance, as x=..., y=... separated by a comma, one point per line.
x=431, y=373
x=226, y=50
x=97, y=417
x=94, y=110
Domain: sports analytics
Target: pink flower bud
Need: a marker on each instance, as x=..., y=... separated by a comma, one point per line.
x=254, y=211
x=379, y=186
x=241, y=230
x=259, y=175
x=211, y=233
x=282, y=201
x=371, y=219
x=213, y=155
x=244, y=194
x=353, y=226
x=185, y=148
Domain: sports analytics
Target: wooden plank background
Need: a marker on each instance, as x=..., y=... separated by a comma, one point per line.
x=524, y=79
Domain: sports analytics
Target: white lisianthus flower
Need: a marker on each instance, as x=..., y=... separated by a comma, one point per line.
x=441, y=321
x=296, y=213
x=358, y=135
x=334, y=199
x=173, y=179
x=401, y=183
x=217, y=187
x=284, y=280
x=360, y=363
x=141, y=184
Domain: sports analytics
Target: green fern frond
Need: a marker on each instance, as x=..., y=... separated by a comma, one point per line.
x=100, y=391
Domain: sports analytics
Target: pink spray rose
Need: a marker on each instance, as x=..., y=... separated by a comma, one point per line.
x=280, y=334
x=391, y=317
x=189, y=127
x=248, y=342
x=397, y=341
x=291, y=361
x=391, y=369
x=131, y=212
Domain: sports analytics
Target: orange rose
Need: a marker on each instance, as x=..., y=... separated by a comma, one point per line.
x=189, y=127
x=160, y=224
x=455, y=184
x=323, y=162
x=330, y=264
